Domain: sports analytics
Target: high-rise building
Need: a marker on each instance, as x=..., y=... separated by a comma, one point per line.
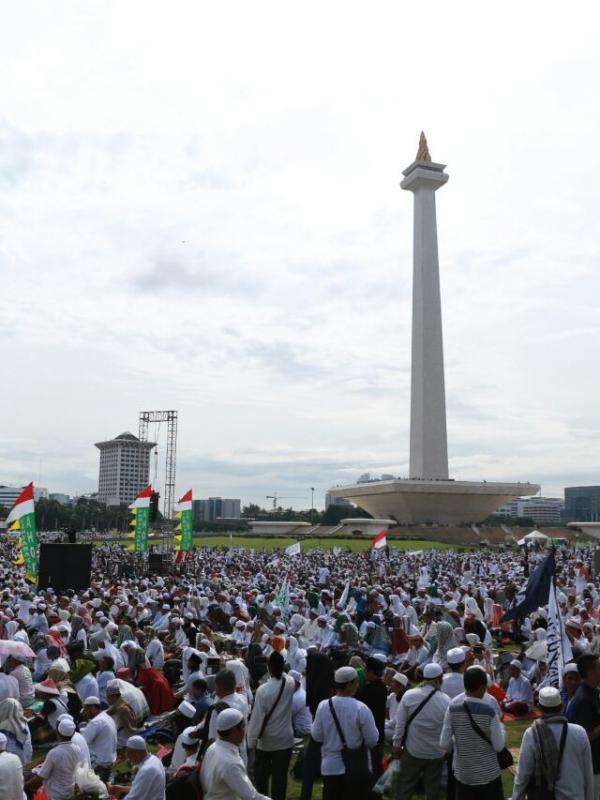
x=8, y=494
x=215, y=508
x=542, y=510
x=124, y=468
x=582, y=504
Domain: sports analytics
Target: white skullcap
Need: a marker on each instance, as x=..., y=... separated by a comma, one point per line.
x=3, y=742
x=187, y=738
x=113, y=686
x=228, y=719
x=345, y=675
x=380, y=657
x=91, y=701
x=455, y=656
x=136, y=743
x=66, y=727
x=187, y=709
x=400, y=678
x=432, y=671
x=293, y=673
x=516, y=663
x=571, y=667
x=549, y=697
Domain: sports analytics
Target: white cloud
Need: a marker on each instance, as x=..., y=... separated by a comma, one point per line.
x=199, y=209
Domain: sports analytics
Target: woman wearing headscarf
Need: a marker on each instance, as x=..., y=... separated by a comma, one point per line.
x=78, y=633
x=445, y=641
x=14, y=726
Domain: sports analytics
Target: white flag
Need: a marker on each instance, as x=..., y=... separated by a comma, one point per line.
x=344, y=598
x=337, y=551
x=293, y=549
x=559, y=647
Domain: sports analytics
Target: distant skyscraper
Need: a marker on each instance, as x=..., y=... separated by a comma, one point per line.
x=124, y=468
x=582, y=504
x=215, y=508
x=331, y=500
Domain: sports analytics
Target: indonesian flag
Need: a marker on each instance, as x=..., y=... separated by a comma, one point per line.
x=143, y=498
x=184, y=530
x=23, y=505
x=379, y=540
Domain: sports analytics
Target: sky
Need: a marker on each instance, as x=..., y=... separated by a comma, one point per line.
x=200, y=210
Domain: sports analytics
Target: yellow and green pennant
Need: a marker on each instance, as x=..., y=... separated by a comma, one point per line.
x=21, y=521
x=184, y=537
x=140, y=522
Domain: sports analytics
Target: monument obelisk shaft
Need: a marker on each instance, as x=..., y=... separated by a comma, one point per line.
x=428, y=437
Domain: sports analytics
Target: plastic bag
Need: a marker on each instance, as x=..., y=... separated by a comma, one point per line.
x=89, y=783
x=385, y=782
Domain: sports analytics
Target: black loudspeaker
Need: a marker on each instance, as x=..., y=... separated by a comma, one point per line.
x=65, y=566
x=158, y=563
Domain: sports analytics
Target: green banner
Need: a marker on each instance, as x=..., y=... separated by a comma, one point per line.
x=29, y=539
x=142, y=523
x=186, y=532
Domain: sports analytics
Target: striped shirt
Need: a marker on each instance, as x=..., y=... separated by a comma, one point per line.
x=474, y=761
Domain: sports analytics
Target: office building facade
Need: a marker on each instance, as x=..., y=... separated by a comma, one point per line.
x=214, y=508
x=124, y=469
x=582, y=504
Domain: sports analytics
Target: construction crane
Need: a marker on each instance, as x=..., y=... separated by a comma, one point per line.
x=275, y=497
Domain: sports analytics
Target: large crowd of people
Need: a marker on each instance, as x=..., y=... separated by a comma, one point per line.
x=355, y=673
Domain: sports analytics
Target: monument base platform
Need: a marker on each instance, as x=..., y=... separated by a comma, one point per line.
x=433, y=502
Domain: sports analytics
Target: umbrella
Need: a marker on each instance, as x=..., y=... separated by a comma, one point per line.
x=8, y=647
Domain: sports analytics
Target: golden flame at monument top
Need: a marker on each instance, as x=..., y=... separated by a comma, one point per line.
x=423, y=151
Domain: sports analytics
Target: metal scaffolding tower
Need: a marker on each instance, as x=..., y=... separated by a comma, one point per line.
x=170, y=417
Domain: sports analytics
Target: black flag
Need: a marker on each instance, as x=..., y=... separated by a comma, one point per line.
x=536, y=591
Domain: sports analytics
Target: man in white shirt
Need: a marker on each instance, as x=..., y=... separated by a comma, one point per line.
x=22, y=674
x=11, y=774
x=100, y=733
x=453, y=682
x=271, y=731
x=57, y=773
x=574, y=776
x=149, y=781
x=223, y=775
x=358, y=727
x=519, y=695
x=398, y=687
x=417, y=736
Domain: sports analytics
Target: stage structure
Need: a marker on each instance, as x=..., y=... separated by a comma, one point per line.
x=148, y=418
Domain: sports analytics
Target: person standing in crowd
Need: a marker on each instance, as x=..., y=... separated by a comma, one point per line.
x=357, y=727
x=473, y=730
x=11, y=774
x=301, y=718
x=398, y=687
x=417, y=736
x=270, y=729
x=452, y=682
x=223, y=775
x=374, y=695
x=584, y=709
x=100, y=733
x=555, y=755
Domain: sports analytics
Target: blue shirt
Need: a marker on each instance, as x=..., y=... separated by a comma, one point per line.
x=584, y=710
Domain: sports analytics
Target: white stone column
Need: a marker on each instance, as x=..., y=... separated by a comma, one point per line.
x=428, y=438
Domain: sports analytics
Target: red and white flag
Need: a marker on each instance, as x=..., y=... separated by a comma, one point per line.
x=379, y=540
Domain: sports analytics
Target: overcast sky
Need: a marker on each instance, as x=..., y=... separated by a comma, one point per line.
x=200, y=210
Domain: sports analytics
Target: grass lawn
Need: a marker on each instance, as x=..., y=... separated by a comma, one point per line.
x=514, y=734
x=271, y=543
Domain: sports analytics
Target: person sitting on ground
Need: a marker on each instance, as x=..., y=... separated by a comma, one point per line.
x=149, y=780
x=100, y=734
x=121, y=712
x=519, y=695
x=13, y=725
x=57, y=773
